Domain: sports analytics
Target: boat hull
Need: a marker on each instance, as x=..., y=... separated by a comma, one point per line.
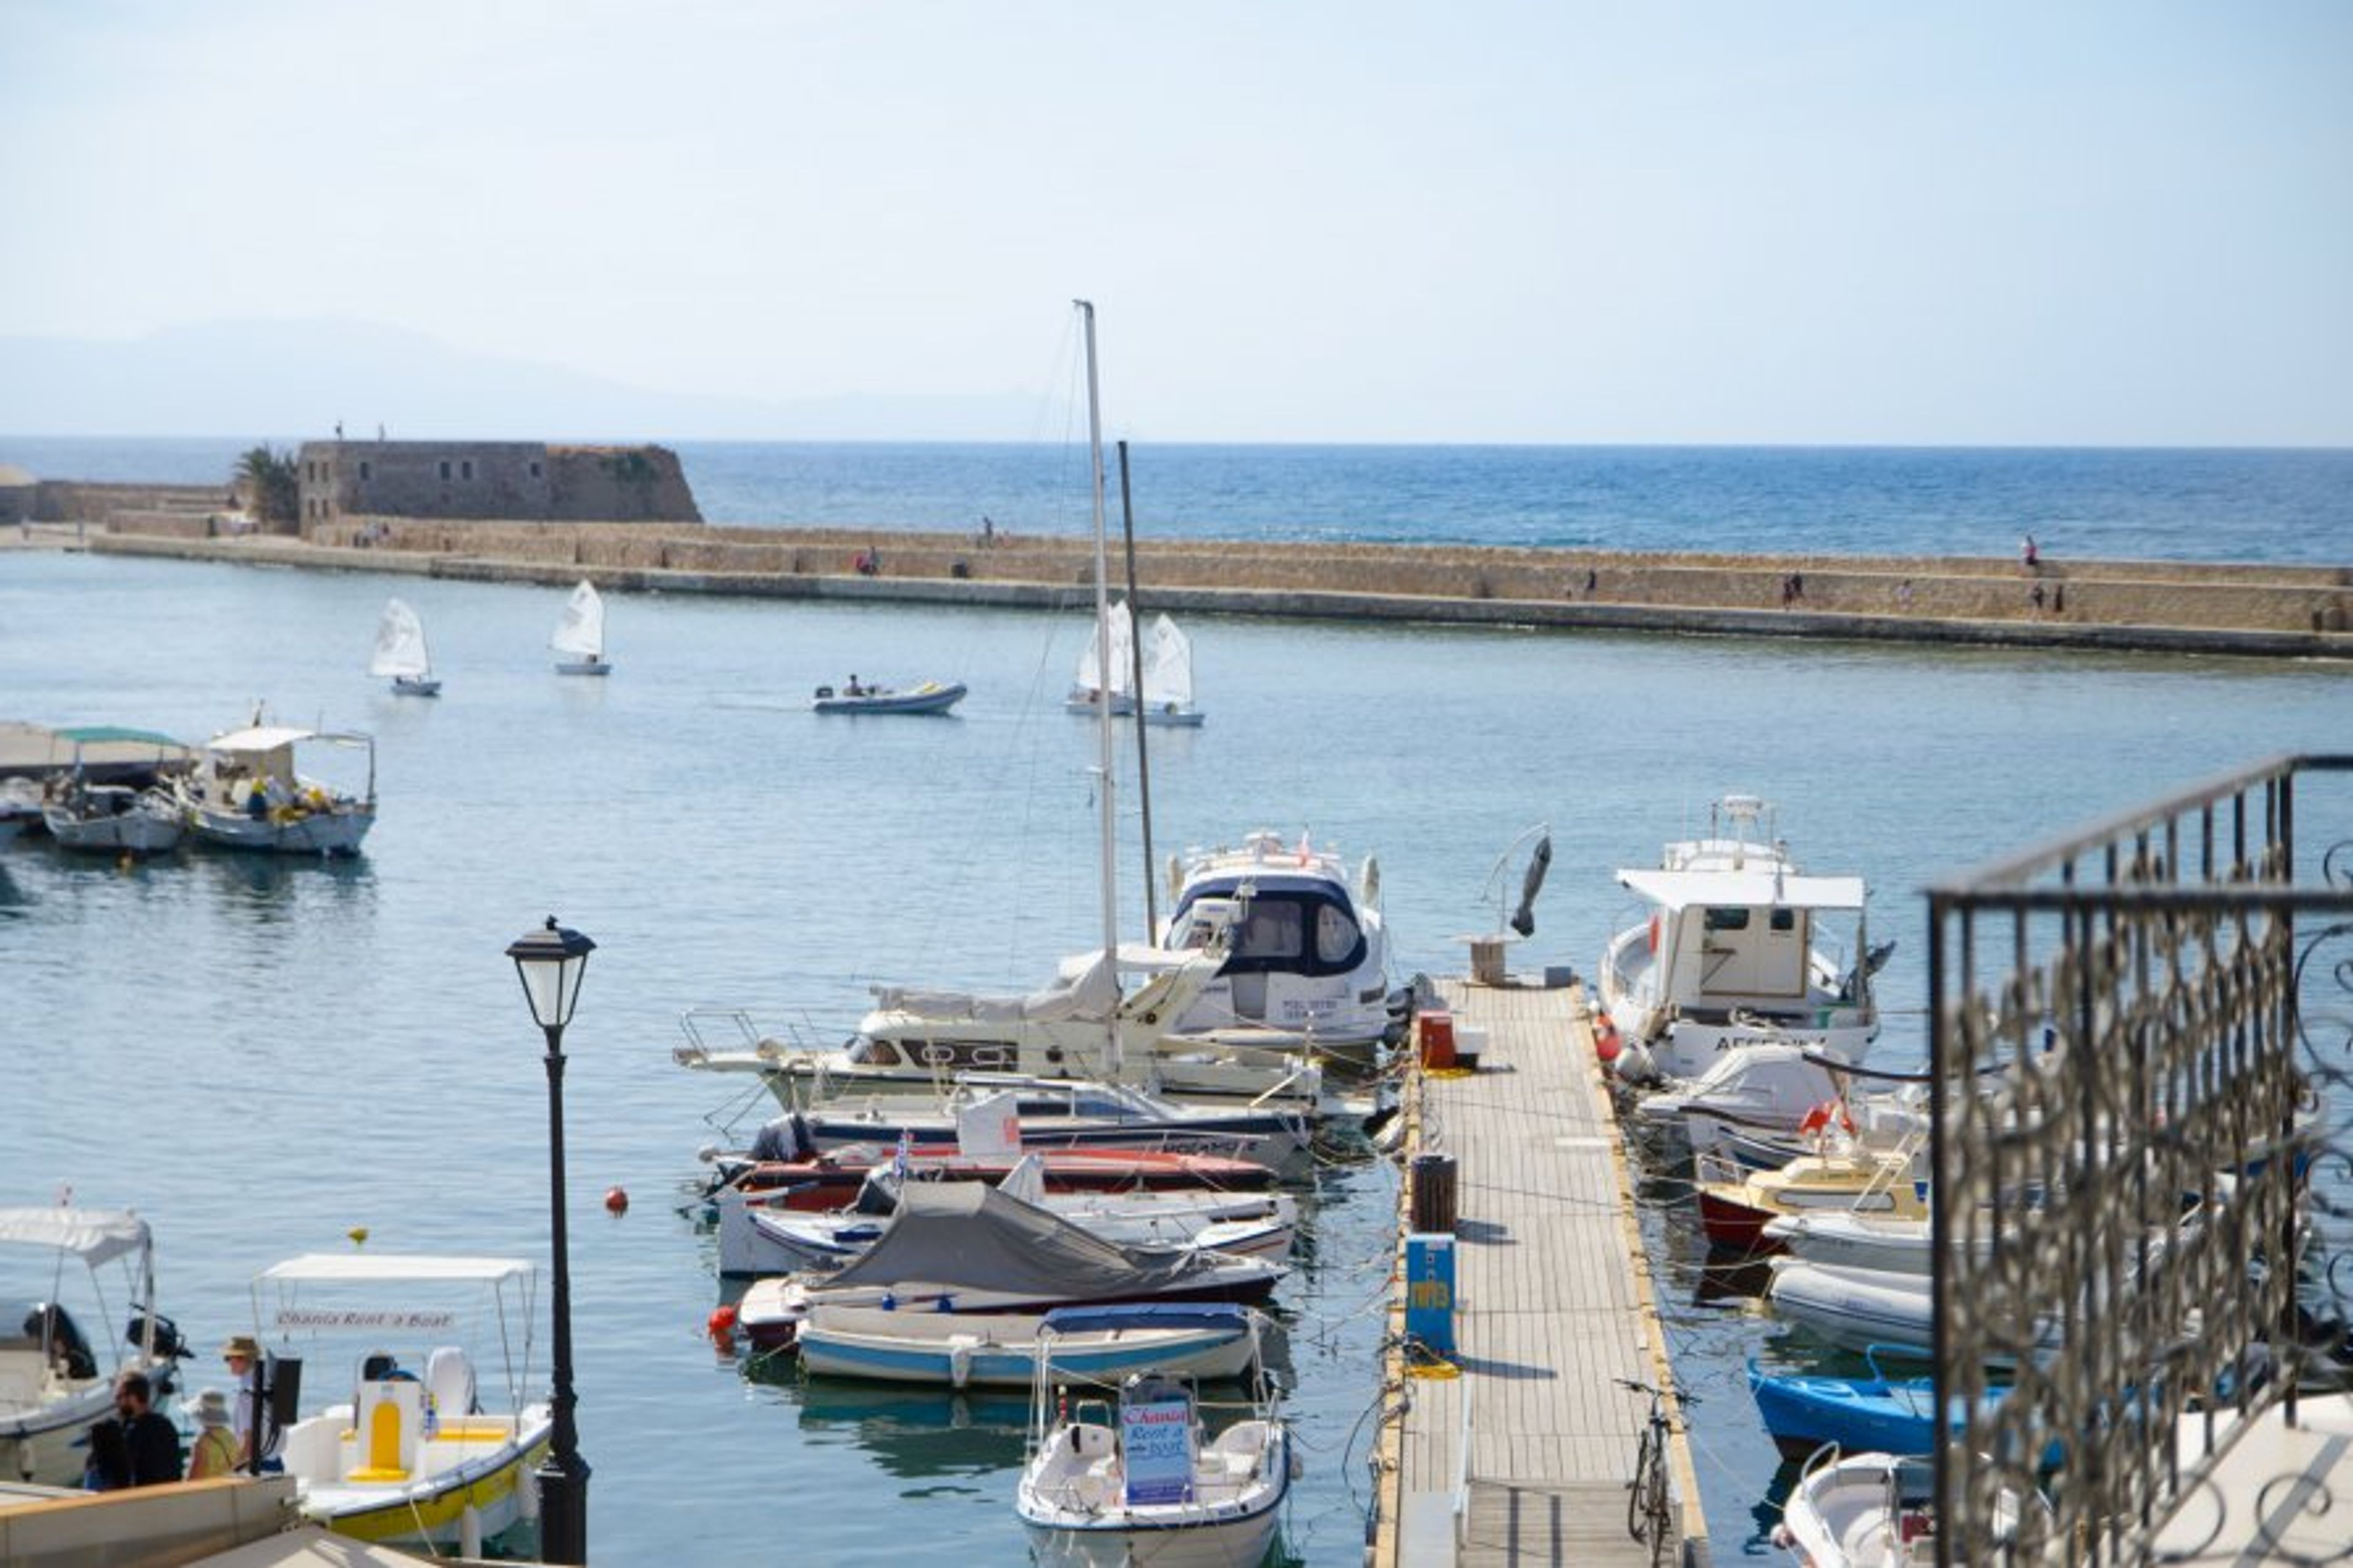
x=1077, y=1520
x=968, y=1350
x=495, y=1483
x=583, y=666
x=415, y=685
x=45, y=1444
x=335, y=832
x=931, y=700
x=131, y=831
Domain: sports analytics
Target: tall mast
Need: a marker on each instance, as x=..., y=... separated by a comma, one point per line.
x=1103, y=693
x=1135, y=678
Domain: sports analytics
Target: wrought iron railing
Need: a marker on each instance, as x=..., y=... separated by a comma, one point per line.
x=2143, y=1163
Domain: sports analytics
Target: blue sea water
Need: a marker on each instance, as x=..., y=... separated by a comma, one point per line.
x=262, y=1056
x=2241, y=504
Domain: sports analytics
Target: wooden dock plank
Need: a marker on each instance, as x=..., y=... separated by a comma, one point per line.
x=1552, y=1303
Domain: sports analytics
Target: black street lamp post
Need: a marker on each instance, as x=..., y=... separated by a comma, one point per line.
x=550, y=962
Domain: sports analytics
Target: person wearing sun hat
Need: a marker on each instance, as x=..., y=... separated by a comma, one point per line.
x=215, y=1452
x=243, y=1354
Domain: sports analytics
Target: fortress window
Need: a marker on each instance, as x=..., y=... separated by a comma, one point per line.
x=535, y=470
x=466, y=469
x=445, y=468
x=363, y=470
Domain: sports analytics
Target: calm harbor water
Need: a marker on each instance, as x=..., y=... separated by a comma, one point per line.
x=261, y=1056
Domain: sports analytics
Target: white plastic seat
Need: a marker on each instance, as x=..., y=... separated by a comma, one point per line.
x=450, y=1380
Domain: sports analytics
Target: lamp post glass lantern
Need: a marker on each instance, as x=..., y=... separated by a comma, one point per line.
x=551, y=963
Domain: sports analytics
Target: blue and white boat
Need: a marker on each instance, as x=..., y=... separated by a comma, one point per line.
x=931, y=697
x=1802, y=1411
x=1085, y=1344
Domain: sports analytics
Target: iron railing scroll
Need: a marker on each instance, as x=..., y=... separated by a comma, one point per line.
x=2143, y=1164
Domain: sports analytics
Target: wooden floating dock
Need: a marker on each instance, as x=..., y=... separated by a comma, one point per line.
x=1523, y=1451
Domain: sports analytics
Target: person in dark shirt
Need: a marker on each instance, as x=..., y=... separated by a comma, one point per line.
x=152, y=1444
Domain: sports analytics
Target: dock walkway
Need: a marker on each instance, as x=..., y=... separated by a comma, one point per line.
x=1525, y=1455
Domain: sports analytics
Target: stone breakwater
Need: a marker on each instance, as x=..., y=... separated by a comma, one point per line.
x=2176, y=607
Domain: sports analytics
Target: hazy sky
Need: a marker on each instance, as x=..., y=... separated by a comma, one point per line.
x=1963, y=222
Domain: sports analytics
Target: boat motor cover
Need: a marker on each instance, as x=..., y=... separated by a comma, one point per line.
x=969, y=1235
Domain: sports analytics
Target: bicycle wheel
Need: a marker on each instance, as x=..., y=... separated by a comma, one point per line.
x=1650, y=1475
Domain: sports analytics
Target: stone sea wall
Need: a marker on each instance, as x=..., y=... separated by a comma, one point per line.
x=2229, y=607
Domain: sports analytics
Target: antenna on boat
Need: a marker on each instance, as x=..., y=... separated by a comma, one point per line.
x=1102, y=662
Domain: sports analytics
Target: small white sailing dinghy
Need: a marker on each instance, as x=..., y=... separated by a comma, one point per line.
x=1168, y=677
x=580, y=635
x=1088, y=684
x=401, y=653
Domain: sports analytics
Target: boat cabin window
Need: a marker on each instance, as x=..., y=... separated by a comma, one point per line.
x=1784, y=920
x=1296, y=929
x=1727, y=919
x=1335, y=934
x=876, y=1053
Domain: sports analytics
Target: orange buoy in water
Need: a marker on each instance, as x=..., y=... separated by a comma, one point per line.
x=1605, y=1038
x=616, y=1201
x=721, y=1326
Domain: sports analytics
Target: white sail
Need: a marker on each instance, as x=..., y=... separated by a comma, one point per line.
x=1122, y=655
x=1167, y=666
x=581, y=633
x=400, y=649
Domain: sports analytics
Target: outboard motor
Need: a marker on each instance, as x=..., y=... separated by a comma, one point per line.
x=61, y=1339
x=169, y=1342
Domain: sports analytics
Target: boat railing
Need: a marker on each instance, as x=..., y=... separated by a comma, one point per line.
x=736, y=1031
x=2136, y=1011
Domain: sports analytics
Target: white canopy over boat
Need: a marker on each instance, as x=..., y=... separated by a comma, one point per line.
x=95, y=1236
x=1676, y=891
x=369, y=1267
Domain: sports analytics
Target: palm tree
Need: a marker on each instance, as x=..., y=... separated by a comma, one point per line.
x=272, y=486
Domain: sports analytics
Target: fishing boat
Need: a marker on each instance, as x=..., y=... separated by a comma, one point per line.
x=67, y=1271
x=409, y=1446
x=1306, y=964
x=580, y=634
x=1802, y=1411
x=245, y=794
x=1086, y=1344
x=1736, y=949
x=930, y=697
x=763, y=1234
x=115, y=819
x=1137, y=1476
x=964, y=1246
x=401, y=653
x=20, y=807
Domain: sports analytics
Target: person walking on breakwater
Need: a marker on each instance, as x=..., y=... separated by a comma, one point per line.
x=2029, y=555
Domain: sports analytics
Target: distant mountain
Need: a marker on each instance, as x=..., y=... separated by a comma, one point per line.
x=226, y=377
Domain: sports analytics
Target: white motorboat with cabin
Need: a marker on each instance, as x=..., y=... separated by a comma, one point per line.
x=1076, y=1114
x=579, y=634
x=67, y=1275
x=401, y=653
x=1307, y=950
x=245, y=794
x=403, y=1441
x=1136, y=1475
x=1736, y=951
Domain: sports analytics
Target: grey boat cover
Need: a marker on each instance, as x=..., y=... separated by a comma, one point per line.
x=969, y=1235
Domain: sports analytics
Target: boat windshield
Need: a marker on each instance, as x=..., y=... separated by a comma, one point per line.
x=1296, y=927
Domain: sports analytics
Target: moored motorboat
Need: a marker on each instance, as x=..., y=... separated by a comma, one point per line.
x=1734, y=1206
x=114, y=819
x=782, y=1165
x=1019, y=1112
x=403, y=1449
x=1086, y=1344
x=1862, y=1511
x=1734, y=951
x=929, y=697
x=245, y=794
x=1138, y=1477
x=963, y=1247
x=1306, y=963
x=57, y=1376
x=764, y=1235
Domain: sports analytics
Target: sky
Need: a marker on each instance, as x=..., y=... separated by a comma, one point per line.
x=1959, y=222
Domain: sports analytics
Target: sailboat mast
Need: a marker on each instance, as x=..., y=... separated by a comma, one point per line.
x=1102, y=664
x=1135, y=678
